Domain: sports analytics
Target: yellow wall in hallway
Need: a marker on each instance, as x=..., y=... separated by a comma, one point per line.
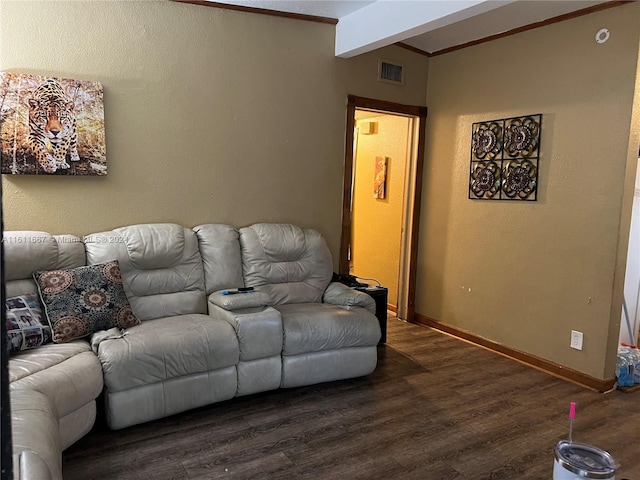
x=377, y=223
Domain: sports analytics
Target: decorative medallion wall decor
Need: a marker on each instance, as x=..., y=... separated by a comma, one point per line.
x=51, y=126
x=504, y=159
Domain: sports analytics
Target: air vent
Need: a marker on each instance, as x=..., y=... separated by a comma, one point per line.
x=390, y=72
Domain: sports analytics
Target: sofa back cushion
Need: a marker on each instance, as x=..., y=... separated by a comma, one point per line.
x=28, y=251
x=291, y=264
x=160, y=265
x=220, y=251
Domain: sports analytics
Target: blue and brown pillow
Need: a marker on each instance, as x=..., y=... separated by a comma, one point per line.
x=26, y=327
x=84, y=300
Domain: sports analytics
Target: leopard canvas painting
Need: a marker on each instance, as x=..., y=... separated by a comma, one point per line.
x=51, y=126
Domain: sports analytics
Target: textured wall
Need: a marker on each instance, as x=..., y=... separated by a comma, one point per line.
x=526, y=274
x=211, y=115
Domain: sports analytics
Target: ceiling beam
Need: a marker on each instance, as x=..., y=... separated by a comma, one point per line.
x=386, y=22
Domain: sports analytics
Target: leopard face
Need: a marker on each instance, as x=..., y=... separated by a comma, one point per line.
x=52, y=127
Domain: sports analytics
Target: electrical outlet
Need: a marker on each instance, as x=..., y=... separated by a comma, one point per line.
x=576, y=339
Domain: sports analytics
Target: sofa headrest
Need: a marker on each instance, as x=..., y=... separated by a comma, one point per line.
x=153, y=246
x=28, y=251
x=281, y=242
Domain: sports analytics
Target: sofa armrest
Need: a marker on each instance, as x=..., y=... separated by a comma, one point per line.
x=259, y=329
x=103, y=335
x=34, y=427
x=239, y=301
x=346, y=297
x=31, y=467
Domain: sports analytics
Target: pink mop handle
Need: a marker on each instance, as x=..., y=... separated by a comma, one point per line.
x=572, y=416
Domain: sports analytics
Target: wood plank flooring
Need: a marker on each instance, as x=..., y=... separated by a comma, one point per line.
x=436, y=408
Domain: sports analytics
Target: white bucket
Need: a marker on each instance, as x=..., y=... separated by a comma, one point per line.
x=576, y=461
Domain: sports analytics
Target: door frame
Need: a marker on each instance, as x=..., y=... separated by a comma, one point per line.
x=354, y=102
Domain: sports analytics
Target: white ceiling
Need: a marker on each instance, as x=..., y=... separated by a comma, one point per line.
x=429, y=25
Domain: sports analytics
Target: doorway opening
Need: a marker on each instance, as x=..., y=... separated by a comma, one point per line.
x=630, y=322
x=384, y=156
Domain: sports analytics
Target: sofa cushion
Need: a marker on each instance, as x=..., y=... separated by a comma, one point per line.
x=315, y=327
x=26, y=326
x=290, y=264
x=84, y=300
x=161, y=267
x=167, y=348
x=27, y=363
x=69, y=374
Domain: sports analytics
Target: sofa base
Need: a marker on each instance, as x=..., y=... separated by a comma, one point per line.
x=259, y=375
x=30, y=466
x=328, y=365
x=77, y=424
x=157, y=400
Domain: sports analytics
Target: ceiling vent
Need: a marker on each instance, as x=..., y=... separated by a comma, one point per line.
x=390, y=72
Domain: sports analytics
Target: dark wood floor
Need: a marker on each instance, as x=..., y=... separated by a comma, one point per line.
x=435, y=408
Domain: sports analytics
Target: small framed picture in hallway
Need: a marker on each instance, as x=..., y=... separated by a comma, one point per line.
x=380, y=178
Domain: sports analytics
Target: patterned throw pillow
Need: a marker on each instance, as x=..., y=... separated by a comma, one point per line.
x=84, y=300
x=26, y=328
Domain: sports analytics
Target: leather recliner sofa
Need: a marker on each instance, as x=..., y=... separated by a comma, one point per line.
x=195, y=345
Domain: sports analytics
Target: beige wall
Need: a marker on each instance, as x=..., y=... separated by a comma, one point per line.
x=211, y=115
x=526, y=274
x=377, y=223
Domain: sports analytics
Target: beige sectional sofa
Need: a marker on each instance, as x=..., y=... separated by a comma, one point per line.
x=195, y=345
x=53, y=388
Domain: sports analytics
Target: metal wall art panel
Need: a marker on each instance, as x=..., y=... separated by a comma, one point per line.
x=504, y=159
